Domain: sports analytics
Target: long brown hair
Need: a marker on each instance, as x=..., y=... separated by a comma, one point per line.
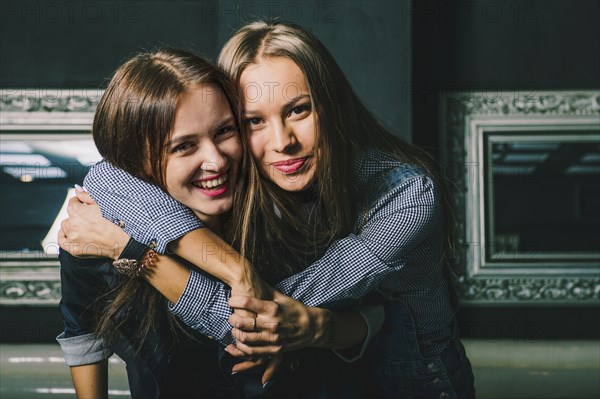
x=344, y=126
x=132, y=125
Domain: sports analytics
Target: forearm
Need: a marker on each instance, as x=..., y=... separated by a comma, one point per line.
x=168, y=276
x=198, y=300
x=211, y=254
x=91, y=381
x=339, y=329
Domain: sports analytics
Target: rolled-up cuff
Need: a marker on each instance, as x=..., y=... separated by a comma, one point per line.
x=168, y=228
x=203, y=307
x=374, y=315
x=194, y=299
x=83, y=349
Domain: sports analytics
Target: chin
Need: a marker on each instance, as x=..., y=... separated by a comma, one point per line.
x=293, y=187
x=287, y=185
x=220, y=208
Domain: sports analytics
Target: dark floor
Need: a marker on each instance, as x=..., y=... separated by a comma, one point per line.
x=503, y=369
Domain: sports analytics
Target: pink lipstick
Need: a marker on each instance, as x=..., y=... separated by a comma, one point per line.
x=290, y=166
x=212, y=186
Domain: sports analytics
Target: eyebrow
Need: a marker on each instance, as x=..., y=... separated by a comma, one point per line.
x=178, y=139
x=286, y=107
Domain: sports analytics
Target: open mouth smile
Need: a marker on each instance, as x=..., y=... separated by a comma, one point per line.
x=212, y=186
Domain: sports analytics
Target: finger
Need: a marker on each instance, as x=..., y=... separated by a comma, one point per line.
x=272, y=367
x=243, y=323
x=69, y=246
x=264, y=336
x=245, y=313
x=72, y=205
x=84, y=197
x=64, y=226
x=257, y=306
x=61, y=239
x=252, y=338
x=235, y=352
x=248, y=364
x=263, y=350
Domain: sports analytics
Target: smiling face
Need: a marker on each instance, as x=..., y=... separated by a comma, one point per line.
x=280, y=121
x=203, y=152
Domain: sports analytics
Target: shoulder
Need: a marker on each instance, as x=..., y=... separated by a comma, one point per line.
x=381, y=175
x=105, y=178
x=373, y=165
x=105, y=171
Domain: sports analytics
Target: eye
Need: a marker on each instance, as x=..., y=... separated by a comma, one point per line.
x=225, y=131
x=182, y=147
x=253, y=122
x=300, y=109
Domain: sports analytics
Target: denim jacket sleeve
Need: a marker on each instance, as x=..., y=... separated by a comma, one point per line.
x=82, y=282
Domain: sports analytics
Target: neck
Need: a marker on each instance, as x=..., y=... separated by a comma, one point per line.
x=213, y=222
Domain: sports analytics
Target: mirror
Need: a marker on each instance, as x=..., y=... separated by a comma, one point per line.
x=543, y=196
x=524, y=181
x=45, y=148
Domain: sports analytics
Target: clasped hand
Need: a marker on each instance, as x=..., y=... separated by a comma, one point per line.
x=282, y=324
x=86, y=233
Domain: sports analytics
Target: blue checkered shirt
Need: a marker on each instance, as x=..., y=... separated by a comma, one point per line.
x=396, y=247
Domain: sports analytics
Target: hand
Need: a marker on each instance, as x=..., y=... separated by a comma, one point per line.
x=282, y=324
x=86, y=233
x=250, y=285
x=255, y=287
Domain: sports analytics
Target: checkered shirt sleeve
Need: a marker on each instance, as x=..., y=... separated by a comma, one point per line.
x=357, y=264
x=352, y=267
x=203, y=306
x=147, y=213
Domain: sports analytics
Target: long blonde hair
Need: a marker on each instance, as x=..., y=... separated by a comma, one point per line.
x=132, y=125
x=344, y=127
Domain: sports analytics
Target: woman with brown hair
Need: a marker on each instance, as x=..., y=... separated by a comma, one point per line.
x=153, y=101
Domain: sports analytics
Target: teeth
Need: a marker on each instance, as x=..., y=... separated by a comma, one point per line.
x=214, y=183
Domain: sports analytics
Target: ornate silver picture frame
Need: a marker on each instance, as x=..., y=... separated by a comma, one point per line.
x=509, y=158
x=45, y=141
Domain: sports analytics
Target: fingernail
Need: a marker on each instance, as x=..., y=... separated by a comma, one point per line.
x=234, y=372
x=78, y=188
x=266, y=384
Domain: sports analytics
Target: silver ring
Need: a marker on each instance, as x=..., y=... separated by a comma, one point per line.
x=254, y=324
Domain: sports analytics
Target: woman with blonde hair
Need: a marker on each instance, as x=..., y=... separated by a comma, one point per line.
x=329, y=185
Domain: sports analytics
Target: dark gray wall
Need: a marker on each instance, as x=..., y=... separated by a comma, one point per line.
x=80, y=43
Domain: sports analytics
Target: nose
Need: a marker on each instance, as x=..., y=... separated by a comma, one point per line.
x=282, y=138
x=212, y=158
